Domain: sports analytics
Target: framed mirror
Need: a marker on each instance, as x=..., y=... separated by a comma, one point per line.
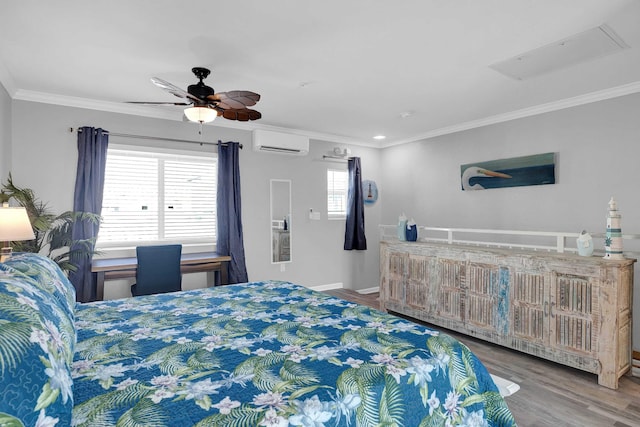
x=280, y=221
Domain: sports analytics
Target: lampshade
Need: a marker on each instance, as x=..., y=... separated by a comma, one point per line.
x=14, y=224
x=200, y=114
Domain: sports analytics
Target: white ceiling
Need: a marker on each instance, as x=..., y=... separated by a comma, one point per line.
x=339, y=70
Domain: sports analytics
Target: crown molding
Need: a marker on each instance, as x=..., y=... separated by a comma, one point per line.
x=562, y=104
x=158, y=113
x=145, y=111
x=6, y=80
x=92, y=104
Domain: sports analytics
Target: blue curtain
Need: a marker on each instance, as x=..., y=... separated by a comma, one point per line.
x=230, y=240
x=92, y=158
x=354, y=237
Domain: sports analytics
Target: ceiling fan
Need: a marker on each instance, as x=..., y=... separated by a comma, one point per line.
x=206, y=104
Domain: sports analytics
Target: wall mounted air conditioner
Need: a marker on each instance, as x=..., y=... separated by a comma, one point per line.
x=277, y=142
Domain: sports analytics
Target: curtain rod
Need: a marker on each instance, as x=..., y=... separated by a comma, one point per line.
x=155, y=138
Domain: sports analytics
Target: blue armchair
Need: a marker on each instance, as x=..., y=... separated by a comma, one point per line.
x=158, y=270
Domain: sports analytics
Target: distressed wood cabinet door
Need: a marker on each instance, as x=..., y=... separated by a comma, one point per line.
x=487, y=298
x=450, y=290
x=529, y=306
x=393, y=276
x=574, y=313
x=418, y=286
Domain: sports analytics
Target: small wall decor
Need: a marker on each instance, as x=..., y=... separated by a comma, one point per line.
x=369, y=192
x=537, y=169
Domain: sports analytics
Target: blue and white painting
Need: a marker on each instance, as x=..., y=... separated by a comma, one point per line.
x=538, y=169
x=369, y=192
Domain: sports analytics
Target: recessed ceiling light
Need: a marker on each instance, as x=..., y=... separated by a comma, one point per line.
x=379, y=137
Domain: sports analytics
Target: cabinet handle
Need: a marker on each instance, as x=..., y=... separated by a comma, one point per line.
x=551, y=313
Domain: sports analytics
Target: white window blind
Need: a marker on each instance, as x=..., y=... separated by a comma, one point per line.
x=158, y=197
x=337, y=182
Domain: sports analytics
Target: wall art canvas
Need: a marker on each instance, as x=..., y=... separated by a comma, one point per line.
x=369, y=191
x=538, y=169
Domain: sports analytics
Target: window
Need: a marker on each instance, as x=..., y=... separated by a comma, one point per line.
x=337, y=194
x=158, y=197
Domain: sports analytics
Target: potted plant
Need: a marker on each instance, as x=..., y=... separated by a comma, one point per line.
x=52, y=232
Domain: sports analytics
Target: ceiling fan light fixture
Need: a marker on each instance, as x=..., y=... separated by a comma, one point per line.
x=200, y=114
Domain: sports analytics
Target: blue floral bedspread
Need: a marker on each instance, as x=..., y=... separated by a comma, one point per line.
x=271, y=354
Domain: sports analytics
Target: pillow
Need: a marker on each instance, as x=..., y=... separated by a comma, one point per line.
x=36, y=351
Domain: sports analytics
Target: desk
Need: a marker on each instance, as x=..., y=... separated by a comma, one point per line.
x=121, y=268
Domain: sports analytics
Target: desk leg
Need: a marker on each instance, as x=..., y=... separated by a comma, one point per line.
x=100, y=285
x=211, y=278
x=224, y=273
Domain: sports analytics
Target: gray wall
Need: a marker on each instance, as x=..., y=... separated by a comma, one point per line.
x=316, y=246
x=44, y=159
x=597, y=146
x=5, y=133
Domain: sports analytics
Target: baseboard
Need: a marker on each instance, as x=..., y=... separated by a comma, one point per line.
x=327, y=287
x=368, y=290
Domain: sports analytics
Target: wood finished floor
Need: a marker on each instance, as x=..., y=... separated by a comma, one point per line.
x=550, y=394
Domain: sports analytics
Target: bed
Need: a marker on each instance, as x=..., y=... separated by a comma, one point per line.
x=256, y=354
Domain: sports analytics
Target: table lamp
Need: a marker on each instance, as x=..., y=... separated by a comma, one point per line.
x=14, y=226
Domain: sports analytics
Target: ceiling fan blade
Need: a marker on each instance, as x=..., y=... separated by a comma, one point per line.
x=242, y=115
x=235, y=99
x=159, y=103
x=173, y=89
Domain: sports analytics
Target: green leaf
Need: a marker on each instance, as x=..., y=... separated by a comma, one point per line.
x=238, y=417
x=144, y=413
x=106, y=384
x=52, y=232
x=472, y=400
x=47, y=397
x=7, y=420
x=204, y=403
x=305, y=390
x=391, y=403
x=297, y=373
x=14, y=342
x=463, y=385
x=335, y=361
x=424, y=394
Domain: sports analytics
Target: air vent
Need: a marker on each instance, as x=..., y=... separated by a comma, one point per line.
x=282, y=143
x=581, y=47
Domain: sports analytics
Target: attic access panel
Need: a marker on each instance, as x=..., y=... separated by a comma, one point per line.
x=588, y=45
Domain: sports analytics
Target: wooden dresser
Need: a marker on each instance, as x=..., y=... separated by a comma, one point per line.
x=561, y=307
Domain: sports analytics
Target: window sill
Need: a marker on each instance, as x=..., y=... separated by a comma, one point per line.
x=129, y=250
